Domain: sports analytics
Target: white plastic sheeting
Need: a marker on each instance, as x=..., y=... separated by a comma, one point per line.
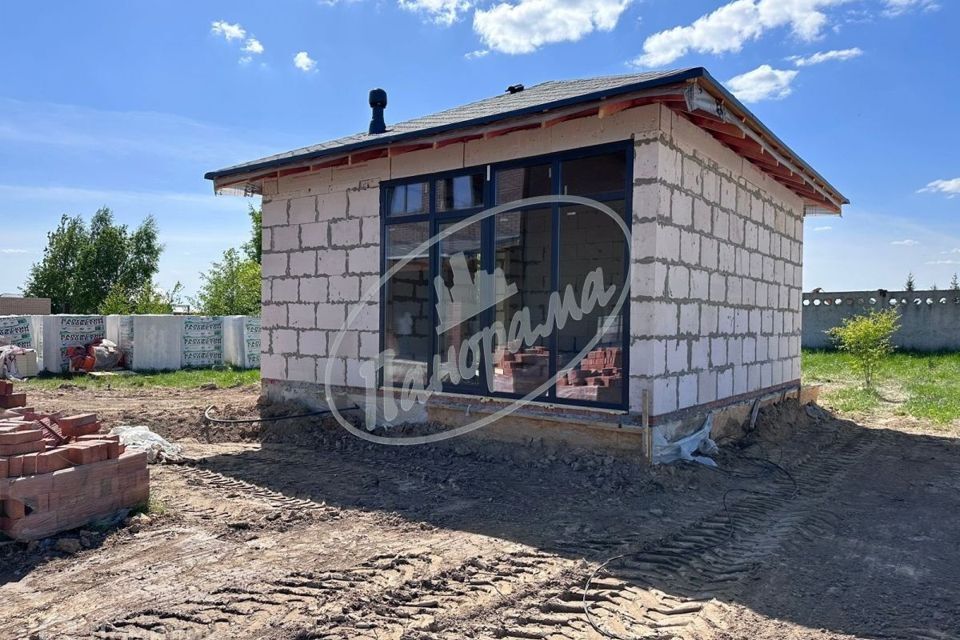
x=157, y=447
x=686, y=448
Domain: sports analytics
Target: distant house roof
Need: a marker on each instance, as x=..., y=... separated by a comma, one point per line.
x=736, y=127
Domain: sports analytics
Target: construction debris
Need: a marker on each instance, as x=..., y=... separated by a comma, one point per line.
x=59, y=472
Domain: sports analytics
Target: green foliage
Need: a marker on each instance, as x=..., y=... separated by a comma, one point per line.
x=148, y=299
x=868, y=340
x=82, y=264
x=954, y=283
x=922, y=385
x=230, y=287
x=252, y=248
x=223, y=377
x=910, y=284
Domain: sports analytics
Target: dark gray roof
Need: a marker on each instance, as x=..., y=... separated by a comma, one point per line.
x=547, y=95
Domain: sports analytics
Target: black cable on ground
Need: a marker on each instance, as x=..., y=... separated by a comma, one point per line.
x=319, y=412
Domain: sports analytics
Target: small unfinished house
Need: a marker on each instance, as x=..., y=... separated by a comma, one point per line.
x=657, y=196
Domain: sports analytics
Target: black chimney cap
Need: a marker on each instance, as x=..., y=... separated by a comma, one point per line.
x=515, y=88
x=378, y=102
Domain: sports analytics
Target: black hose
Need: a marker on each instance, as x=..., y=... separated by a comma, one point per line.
x=320, y=412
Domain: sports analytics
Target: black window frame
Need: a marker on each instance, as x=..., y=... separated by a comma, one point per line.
x=488, y=254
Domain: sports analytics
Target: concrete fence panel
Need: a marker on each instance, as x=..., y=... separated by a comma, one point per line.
x=930, y=320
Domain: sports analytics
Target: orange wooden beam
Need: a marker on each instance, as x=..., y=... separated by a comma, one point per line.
x=337, y=162
x=571, y=116
x=502, y=132
x=440, y=144
x=407, y=148
x=364, y=156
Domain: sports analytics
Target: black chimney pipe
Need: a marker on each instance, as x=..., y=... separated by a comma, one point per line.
x=378, y=102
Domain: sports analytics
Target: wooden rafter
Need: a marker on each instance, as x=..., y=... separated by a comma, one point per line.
x=520, y=127
x=586, y=113
x=397, y=150
x=440, y=144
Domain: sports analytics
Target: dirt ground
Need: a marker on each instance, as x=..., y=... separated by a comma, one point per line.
x=813, y=527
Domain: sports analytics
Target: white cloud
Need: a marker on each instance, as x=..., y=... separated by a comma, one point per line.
x=735, y=23
x=479, y=53
x=253, y=46
x=822, y=228
x=444, y=12
x=905, y=243
x=943, y=262
x=13, y=251
x=227, y=30
x=304, y=62
x=949, y=187
x=826, y=56
x=894, y=8
x=763, y=83
x=526, y=25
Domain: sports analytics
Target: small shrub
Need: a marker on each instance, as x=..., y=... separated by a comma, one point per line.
x=868, y=340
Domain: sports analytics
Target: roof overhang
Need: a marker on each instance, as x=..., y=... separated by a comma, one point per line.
x=693, y=94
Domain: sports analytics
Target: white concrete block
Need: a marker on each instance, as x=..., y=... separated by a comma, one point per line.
x=273, y=264
x=273, y=367
x=664, y=395
x=700, y=354
x=303, y=263
x=687, y=390
x=286, y=238
x=689, y=319
x=345, y=233
x=303, y=210
x=677, y=356
x=62, y=331
x=648, y=357
x=678, y=281
x=724, y=384
x=301, y=369
x=706, y=386
x=690, y=247
x=331, y=262
x=314, y=235
x=681, y=206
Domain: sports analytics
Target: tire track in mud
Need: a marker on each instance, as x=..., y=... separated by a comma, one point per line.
x=239, y=608
x=672, y=588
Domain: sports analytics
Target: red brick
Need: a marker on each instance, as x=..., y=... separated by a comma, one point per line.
x=14, y=467
x=80, y=430
x=54, y=460
x=77, y=420
x=111, y=437
x=6, y=387
x=13, y=400
x=34, y=446
x=13, y=509
x=19, y=437
x=29, y=464
x=80, y=453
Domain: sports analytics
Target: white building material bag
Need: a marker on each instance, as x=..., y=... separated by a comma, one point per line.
x=63, y=331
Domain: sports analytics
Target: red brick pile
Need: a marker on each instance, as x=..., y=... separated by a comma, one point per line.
x=59, y=472
x=522, y=372
x=599, y=378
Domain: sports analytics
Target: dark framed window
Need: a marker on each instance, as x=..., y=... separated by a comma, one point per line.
x=541, y=250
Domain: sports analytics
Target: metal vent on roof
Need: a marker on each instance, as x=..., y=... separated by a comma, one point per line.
x=515, y=88
x=378, y=102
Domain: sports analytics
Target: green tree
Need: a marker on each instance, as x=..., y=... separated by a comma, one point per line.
x=253, y=247
x=230, y=287
x=910, y=285
x=868, y=339
x=83, y=263
x=954, y=283
x=148, y=299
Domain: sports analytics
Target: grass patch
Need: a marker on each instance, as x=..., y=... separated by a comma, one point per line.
x=921, y=385
x=223, y=377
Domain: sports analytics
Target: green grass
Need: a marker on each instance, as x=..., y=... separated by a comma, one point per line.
x=924, y=386
x=187, y=379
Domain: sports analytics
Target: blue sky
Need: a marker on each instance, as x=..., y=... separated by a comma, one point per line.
x=127, y=104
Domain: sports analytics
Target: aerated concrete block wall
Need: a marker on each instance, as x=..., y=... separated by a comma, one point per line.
x=717, y=274
x=321, y=248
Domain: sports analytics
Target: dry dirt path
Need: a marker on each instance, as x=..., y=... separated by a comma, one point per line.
x=312, y=534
